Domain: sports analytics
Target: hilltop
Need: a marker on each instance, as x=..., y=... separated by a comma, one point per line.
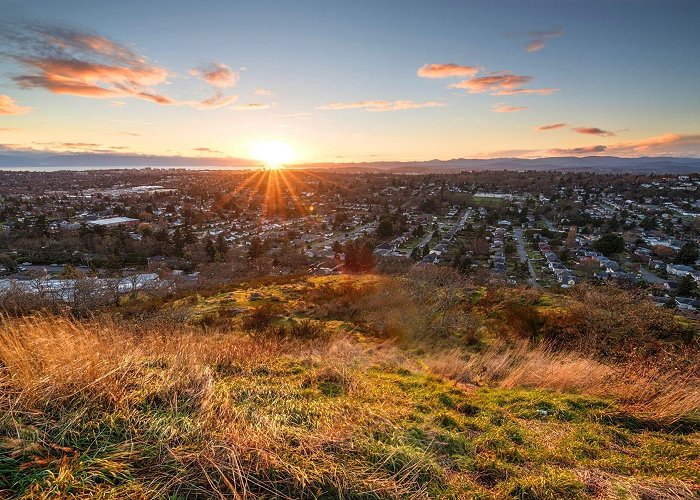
x=356, y=386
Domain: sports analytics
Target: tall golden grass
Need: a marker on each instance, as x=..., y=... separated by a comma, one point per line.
x=165, y=390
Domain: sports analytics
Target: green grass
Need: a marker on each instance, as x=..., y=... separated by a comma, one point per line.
x=293, y=413
x=392, y=429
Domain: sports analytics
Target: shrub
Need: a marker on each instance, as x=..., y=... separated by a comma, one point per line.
x=260, y=317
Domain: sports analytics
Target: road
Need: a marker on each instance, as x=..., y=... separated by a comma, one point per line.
x=340, y=237
x=650, y=277
x=549, y=224
x=522, y=255
x=453, y=230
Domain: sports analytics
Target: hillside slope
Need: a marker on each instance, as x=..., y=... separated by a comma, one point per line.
x=323, y=388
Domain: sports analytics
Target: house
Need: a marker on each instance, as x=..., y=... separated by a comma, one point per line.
x=657, y=264
x=114, y=222
x=687, y=303
x=679, y=269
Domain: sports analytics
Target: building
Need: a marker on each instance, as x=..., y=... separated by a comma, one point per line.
x=114, y=222
x=679, y=269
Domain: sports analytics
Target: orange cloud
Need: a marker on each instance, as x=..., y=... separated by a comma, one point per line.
x=552, y=126
x=217, y=101
x=67, y=61
x=534, y=46
x=494, y=82
x=503, y=108
x=659, y=145
x=217, y=75
x=8, y=106
x=671, y=144
x=539, y=37
x=378, y=105
x=446, y=70
x=74, y=62
x=593, y=131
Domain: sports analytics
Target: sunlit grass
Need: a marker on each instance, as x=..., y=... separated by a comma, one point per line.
x=314, y=387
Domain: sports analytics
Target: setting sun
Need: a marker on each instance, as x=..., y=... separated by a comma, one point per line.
x=274, y=154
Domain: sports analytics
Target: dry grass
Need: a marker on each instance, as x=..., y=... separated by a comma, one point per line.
x=195, y=412
x=276, y=402
x=647, y=393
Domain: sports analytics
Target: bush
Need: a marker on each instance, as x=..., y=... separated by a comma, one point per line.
x=260, y=317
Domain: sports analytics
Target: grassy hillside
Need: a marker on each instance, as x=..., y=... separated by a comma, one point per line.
x=353, y=387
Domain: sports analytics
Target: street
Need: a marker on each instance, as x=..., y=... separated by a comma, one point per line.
x=522, y=255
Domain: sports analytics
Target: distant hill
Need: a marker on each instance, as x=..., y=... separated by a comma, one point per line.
x=588, y=163
x=38, y=159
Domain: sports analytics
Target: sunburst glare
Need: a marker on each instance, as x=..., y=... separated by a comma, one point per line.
x=273, y=154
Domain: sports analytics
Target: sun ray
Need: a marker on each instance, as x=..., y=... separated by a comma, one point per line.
x=290, y=189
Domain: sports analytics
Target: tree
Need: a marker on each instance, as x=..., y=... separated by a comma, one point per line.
x=415, y=253
x=8, y=263
x=385, y=228
x=256, y=249
x=648, y=223
x=687, y=287
x=610, y=244
x=221, y=246
x=178, y=242
x=688, y=254
x=209, y=249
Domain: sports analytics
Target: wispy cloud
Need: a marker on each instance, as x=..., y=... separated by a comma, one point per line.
x=208, y=150
x=545, y=91
x=70, y=61
x=593, y=131
x=538, y=39
x=263, y=92
x=665, y=144
x=661, y=144
x=551, y=126
x=217, y=101
x=379, y=105
x=493, y=82
x=251, y=106
x=504, y=108
x=216, y=74
x=65, y=60
x=578, y=151
x=61, y=147
x=446, y=70
x=8, y=106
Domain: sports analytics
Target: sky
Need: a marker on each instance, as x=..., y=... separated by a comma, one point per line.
x=351, y=81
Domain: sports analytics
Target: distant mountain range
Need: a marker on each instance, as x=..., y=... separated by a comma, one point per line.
x=36, y=160
x=567, y=163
